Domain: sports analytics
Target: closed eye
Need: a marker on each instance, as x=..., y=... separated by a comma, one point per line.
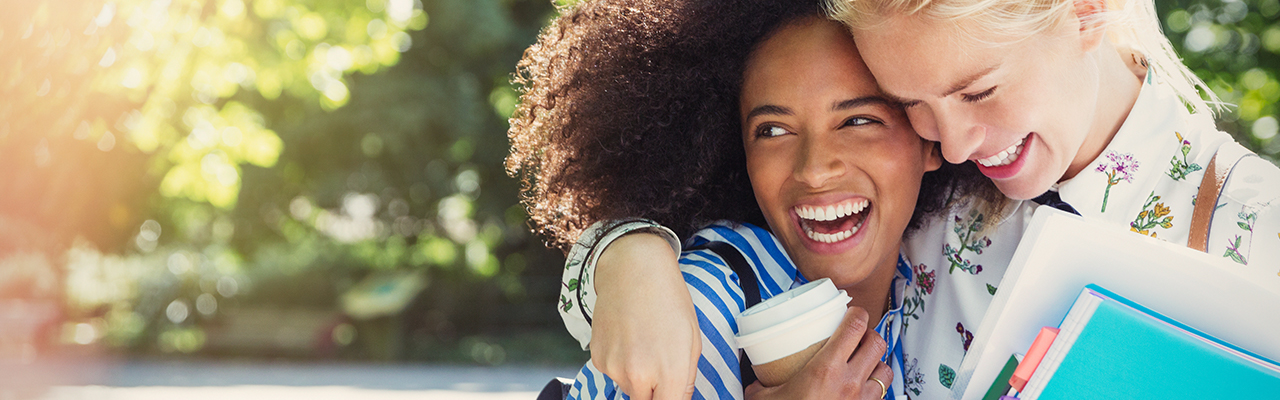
x=971, y=98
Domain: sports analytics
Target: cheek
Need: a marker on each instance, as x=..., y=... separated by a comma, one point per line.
x=1012, y=115
x=900, y=173
x=1039, y=102
x=767, y=172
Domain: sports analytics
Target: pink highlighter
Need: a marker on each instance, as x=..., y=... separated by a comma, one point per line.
x=1032, y=360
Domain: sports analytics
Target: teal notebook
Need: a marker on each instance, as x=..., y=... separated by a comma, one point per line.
x=1111, y=348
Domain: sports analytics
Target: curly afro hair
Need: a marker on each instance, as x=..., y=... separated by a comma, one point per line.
x=629, y=108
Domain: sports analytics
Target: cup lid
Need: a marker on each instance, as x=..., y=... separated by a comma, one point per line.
x=831, y=311
x=787, y=305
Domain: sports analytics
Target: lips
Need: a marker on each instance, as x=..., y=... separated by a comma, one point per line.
x=832, y=223
x=1004, y=157
x=1008, y=162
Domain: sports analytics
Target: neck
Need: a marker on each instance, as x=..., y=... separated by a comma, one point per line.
x=872, y=293
x=1119, y=82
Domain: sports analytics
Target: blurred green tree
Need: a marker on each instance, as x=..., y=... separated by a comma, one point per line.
x=178, y=145
x=1234, y=45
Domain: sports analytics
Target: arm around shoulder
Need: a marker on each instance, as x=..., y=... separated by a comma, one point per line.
x=629, y=304
x=578, y=284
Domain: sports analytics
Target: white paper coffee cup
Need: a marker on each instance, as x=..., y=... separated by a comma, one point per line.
x=788, y=324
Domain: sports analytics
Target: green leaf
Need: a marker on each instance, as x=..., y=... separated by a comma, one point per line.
x=991, y=289
x=566, y=304
x=946, y=375
x=1235, y=256
x=1243, y=225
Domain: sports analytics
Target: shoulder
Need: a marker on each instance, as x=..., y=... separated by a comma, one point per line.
x=758, y=250
x=1253, y=181
x=716, y=248
x=758, y=246
x=739, y=234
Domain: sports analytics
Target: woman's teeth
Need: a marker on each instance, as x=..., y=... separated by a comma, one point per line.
x=831, y=237
x=1005, y=156
x=831, y=213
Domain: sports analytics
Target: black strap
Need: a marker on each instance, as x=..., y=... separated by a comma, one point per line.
x=750, y=292
x=1050, y=198
x=557, y=389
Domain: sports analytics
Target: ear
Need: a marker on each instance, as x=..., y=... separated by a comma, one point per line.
x=933, y=159
x=1090, y=19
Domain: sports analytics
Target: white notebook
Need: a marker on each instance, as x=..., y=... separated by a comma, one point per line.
x=1060, y=253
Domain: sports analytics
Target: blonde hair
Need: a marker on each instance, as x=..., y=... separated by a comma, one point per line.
x=1129, y=23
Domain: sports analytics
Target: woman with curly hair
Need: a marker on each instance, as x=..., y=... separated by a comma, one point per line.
x=694, y=113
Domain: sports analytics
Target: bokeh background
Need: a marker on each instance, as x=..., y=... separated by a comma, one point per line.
x=323, y=179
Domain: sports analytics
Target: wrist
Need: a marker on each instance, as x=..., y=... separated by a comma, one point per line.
x=636, y=255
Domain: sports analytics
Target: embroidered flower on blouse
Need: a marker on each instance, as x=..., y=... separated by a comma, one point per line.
x=965, y=336
x=913, y=379
x=1119, y=167
x=966, y=231
x=913, y=304
x=1248, y=218
x=925, y=279
x=1181, y=168
x=1153, y=215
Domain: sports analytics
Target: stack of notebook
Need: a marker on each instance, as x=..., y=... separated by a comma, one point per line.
x=1108, y=347
x=1061, y=254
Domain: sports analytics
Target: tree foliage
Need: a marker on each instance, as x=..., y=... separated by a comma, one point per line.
x=177, y=145
x=1234, y=45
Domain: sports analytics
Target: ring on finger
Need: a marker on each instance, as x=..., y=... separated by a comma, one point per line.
x=883, y=389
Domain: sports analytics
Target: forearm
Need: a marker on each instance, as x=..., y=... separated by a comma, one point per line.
x=648, y=251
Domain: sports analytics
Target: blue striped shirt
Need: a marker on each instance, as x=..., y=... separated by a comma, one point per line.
x=718, y=300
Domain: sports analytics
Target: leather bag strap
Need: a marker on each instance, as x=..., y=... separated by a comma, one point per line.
x=1224, y=161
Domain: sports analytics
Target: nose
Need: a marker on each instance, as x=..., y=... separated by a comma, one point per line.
x=959, y=135
x=819, y=162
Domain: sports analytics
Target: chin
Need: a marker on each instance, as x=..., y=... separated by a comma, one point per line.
x=1024, y=188
x=1019, y=191
x=842, y=274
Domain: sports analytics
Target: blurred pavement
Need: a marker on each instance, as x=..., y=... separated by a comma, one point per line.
x=146, y=380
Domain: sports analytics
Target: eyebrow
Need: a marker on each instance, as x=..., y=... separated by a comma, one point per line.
x=969, y=81
x=770, y=109
x=862, y=101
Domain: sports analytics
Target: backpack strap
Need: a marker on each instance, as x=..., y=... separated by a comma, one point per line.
x=557, y=389
x=746, y=274
x=1215, y=178
x=750, y=292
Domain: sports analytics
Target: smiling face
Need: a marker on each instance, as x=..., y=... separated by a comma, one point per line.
x=834, y=164
x=1025, y=112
